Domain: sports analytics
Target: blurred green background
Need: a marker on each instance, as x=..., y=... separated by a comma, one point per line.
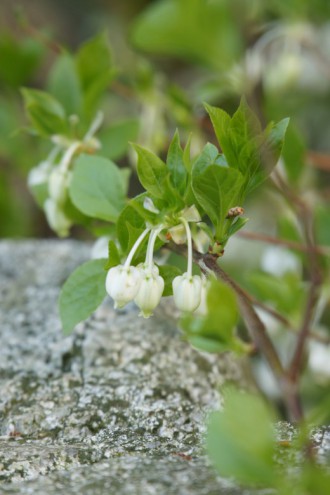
x=169, y=56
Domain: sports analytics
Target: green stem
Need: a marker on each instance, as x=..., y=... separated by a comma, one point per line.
x=151, y=244
x=135, y=247
x=68, y=155
x=189, y=244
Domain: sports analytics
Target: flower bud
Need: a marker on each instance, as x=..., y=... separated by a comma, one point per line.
x=148, y=204
x=56, y=218
x=150, y=291
x=122, y=284
x=178, y=234
x=187, y=291
x=191, y=214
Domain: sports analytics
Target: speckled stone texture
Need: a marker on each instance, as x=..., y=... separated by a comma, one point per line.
x=119, y=407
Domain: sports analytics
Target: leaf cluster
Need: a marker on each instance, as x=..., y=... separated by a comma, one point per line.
x=75, y=86
x=213, y=181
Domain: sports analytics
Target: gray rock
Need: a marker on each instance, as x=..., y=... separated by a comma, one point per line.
x=118, y=407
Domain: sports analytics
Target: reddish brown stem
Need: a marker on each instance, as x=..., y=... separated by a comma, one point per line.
x=254, y=236
x=257, y=330
x=254, y=324
x=305, y=217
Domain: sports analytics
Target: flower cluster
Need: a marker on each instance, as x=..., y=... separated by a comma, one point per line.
x=143, y=284
x=55, y=174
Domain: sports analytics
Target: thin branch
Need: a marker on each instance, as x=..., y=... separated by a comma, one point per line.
x=305, y=217
x=257, y=330
x=39, y=36
x=255, y=236
x=281, y=318
x=319, y=160
x=312, y=298
x=254, y=324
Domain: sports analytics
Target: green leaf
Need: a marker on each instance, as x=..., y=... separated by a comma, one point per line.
x=215, y=331
x=240, y=440
x=129, y=217
x=97, y=188
x=237, y=225
x=75, y=215
x=186, y=154
x=19, y=58
x=46, y=114
x=176, y=165
x=149, y=216
x=82, y=293
x=113, y=256
x=195, y=30
x=133, y=234
x=286, y=292
x=246, y=148
x=270, y=151
x=125, y=173
x=314, y=479
x=207, y=157
x=95, y=69
x=152, y=171
x=237, y=138
x=217, y=190
x=322, y=222
x=294, y=154
x=115, y=138
x=208, y=344
x=221, y=123
x=168, y=272
x=64, y=84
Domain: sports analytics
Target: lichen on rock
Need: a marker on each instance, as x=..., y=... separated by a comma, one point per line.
x=120, y=395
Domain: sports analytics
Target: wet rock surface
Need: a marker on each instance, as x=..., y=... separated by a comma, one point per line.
x=117, y=407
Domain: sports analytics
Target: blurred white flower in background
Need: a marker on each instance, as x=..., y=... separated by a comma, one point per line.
x=278, y=261
x=285, y=56
x=319, y=360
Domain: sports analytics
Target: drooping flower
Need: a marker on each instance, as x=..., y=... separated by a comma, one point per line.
x=150, y=291
x=122, y=284
x=123, y=281
x=152, y=285
x=56, y=218
x=187, y=291
x=187, y=288
x=58, y=184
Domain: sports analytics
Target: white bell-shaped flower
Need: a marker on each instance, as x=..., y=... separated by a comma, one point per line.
x=56, y=218
x=58, y=184
x=150, y=291
x=187, y=291
x=123, y=283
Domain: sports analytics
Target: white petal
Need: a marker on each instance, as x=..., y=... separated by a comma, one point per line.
x=122, y=284
x=150, y=292
x=187, y=292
